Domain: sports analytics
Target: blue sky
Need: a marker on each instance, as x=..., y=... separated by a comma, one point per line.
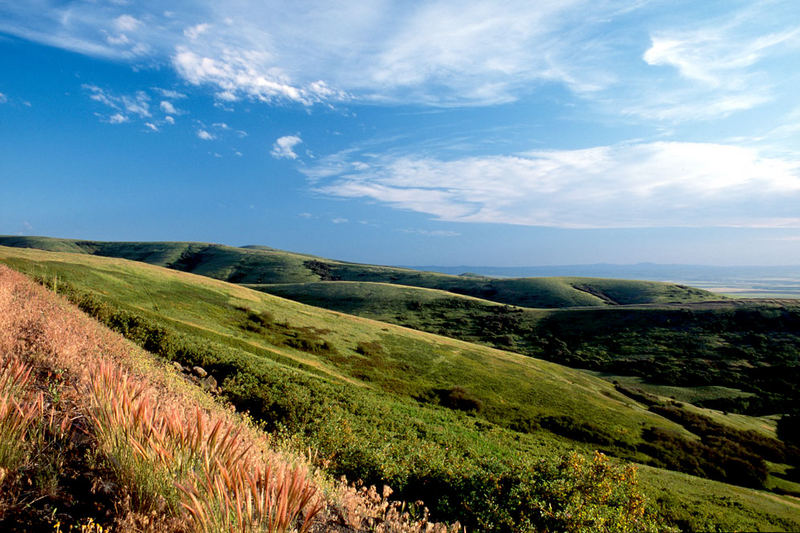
x=438, y=132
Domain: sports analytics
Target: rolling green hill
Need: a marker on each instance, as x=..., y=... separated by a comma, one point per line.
x=714, y=345
x=262, y=265
x=459, y=425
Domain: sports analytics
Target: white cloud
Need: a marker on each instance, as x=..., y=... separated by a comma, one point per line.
x=126, y=23
x=444, y=52
x=196, y=31
x=251, y=73
x=716, y=67
x=168, y=108
x=713, y=57
x=169, y=120
x=3, y=98
x=137, y=103
x=625, y=185
x=440, y=52
x=169, y=93
x=117, y=118
x=151, y=126
x=432, y=233
x=284, y=147
x=206, y=136
x=339, y=220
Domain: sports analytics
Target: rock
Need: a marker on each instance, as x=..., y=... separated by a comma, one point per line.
x=200, y=371
x=209, y=383
x=177, y=366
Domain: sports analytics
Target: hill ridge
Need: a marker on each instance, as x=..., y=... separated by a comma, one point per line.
x=255, y=265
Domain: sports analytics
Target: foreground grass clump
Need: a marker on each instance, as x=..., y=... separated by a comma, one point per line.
x=166, y=461
x=175, y=464
x=19, y=416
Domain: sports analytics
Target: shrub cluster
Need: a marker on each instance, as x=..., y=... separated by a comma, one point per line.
x=714, y=457
x=754, y=443
x=724, y=453
x=369, y=348
x=458, y=398
x=567, y=426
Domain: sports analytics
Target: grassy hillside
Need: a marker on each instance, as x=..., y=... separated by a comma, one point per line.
x=456, y=424
x=708, y=346
x=98, y=435
x=261, y=265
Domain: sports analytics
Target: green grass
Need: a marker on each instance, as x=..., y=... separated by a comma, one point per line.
x=703, y=351
x=411, y=363
x=682, y=394
x=262, y=265
x=370, y=403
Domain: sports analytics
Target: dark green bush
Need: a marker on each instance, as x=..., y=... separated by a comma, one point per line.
x=369, y=348
x=581, y=431
x=459, y=398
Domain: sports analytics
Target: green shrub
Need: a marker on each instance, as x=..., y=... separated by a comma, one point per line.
x=581, y=431
x=369, y=348
x=458, y=398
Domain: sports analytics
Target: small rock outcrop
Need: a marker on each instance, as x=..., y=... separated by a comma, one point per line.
x=199, y=376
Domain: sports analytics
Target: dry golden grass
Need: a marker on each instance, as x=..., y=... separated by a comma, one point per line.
x=366, y=509
x=181, y=461
x=20, y=412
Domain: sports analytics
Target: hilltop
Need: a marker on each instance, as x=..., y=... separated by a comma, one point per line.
x=266, y=266
x=458, y=425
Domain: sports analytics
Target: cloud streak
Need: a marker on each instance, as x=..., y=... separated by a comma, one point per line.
x=724, y=65
x=619, y=186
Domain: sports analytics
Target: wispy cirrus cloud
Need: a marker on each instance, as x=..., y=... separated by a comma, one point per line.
x=127, y=108
x=168, y=107
x=444, y=52
x=625, y=185
x=432, y=232
x=716, y=67
x=122, y=105
x=715, y=57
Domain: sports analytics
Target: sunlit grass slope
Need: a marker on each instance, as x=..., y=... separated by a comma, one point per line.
x=436, y=417
x=262, y=265
x=97, y=435
x=408, y=363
